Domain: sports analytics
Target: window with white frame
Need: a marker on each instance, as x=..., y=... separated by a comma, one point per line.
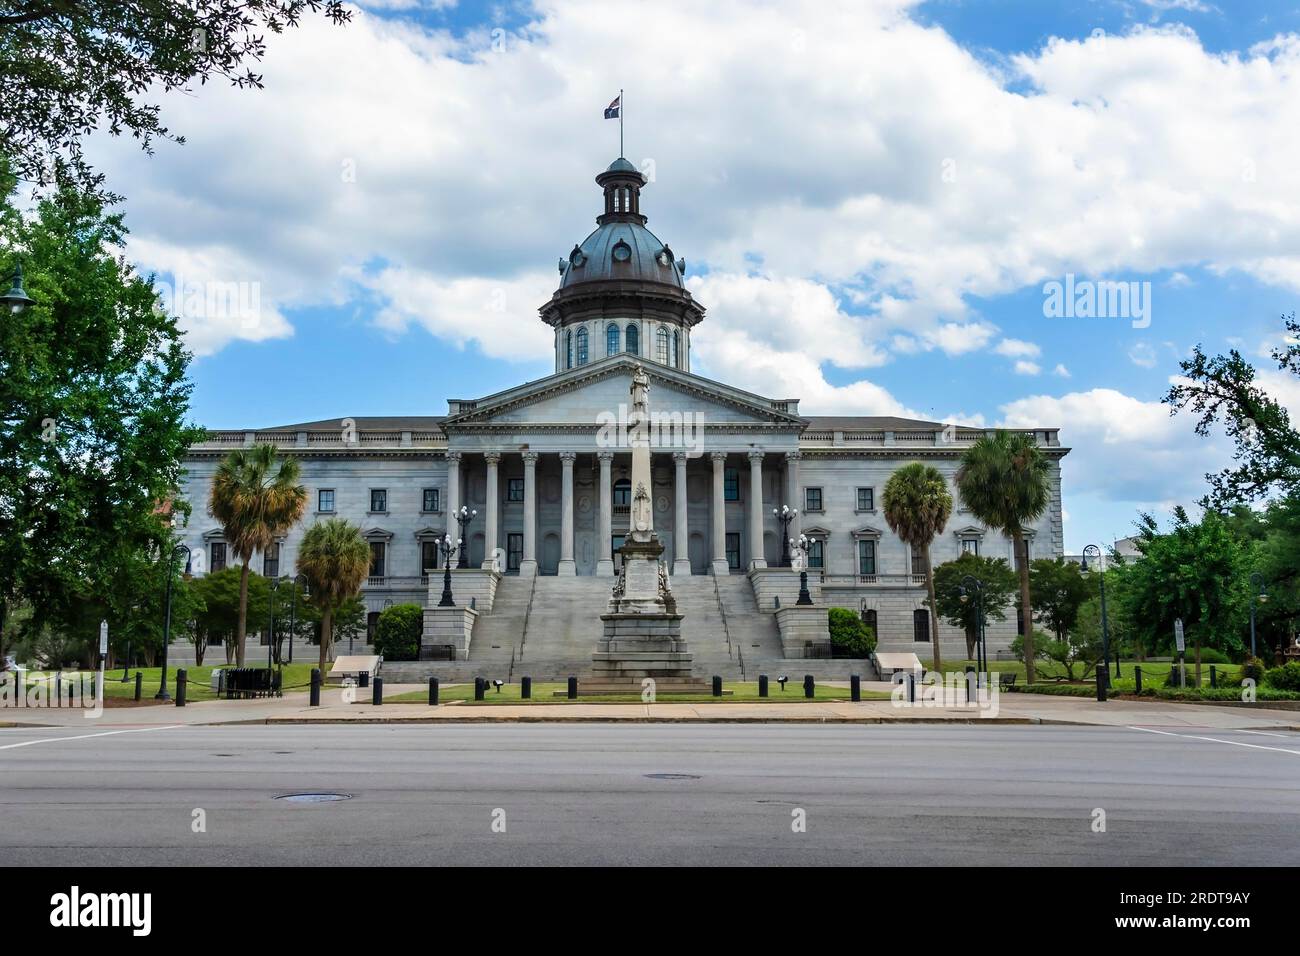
x=866, y=499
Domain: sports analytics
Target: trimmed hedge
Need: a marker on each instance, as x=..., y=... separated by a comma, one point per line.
x=849, y=632
x=397, y=635
x=1286, y=677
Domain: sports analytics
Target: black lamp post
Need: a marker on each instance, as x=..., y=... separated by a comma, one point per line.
x=1258, y=597
x=167, y=615
x=1103, y=672
x=785, y=514
x=801, y=546
x=17, y=299
x=293, y=608
x=270, y=634
x=448, y=549
x=463, y=517
x=970, y=582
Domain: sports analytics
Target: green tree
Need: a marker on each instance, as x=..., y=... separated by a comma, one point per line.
x=335, y=560
x=256, y=502
x=72, y=66
x=1058, y=588
x=219, y=591
x=917, y=505
x=397, y=635
x=93, y=406
x=1223, y=390
x=1003, y=479
x=849, y=632
x=999, y=591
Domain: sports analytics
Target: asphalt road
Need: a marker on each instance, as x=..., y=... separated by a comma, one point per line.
x=586, y=794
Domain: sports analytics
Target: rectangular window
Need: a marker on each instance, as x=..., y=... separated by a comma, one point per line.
x=921, y=626
x=378, y=500
x=514, y=489
x=271, y=561
x=430, y=500
x=733, y=550
x=816, y=553
x=866, y=557
x=428, y=556
x=325, y=500
x=731, y=484
x=1022, y=554
x=514, y=551
x=970, y=546
x=377, y=556
x=918, y=562
x=217, y=556
x=812, y=499
x=866, y=499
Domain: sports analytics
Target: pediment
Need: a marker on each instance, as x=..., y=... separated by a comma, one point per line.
x=589, y=395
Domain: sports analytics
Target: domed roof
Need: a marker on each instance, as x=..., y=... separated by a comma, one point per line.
x=621, y=165
x=622, y=251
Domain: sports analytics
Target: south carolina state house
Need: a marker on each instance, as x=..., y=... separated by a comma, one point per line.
x=544, y=468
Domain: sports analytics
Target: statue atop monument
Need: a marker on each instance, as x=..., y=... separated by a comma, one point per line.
x=641, y=527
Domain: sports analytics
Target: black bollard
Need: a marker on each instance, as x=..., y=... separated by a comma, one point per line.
x=433, y=692
x=809, y=686
x=480, y=688
x=377, y=691
x=182, y=681
x=1214, y=677
x=855, y=688
x=1103, y=681
x=972, y=683
x=139, y=684
x=364, y=678
x=573, y=688
x=1137, y=679
x=525, y=688
x=314, y=699
x=762, y=685
x=911, y=687
x=717, y=686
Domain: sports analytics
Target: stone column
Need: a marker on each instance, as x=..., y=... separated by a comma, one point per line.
x=493, y=458
x=681, y=556
x=756, y=559
x=605, y=534
x=792, y=495
x=719, y=514
x=453, y=489
x=567, y=566
x=528, y=565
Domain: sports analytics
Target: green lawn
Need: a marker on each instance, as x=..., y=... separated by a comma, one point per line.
x=199, y=684
x=740, y=693
x=1153, y=672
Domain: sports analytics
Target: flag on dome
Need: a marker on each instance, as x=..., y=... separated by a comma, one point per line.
x=613, y=110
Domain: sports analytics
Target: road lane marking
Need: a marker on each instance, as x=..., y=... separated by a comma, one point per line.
x=105, y=733
x=1216, y=740
x=1264, y=733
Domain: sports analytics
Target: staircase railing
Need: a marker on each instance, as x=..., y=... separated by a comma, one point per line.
x=523, y=638
x=722, y=611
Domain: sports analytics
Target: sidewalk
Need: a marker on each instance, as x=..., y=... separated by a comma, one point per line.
x=1013, y=708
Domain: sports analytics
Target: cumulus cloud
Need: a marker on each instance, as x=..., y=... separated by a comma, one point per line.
x=1017, y=348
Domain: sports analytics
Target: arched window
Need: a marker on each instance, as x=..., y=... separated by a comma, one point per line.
x=661, y=347
x=611, y=339
x=633, y=340
x=568, y=349
x=676, y=363
x=921, y=625
x=623, y=492
x=582, y=346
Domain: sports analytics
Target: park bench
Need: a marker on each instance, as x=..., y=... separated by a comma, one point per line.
x=1006, y=679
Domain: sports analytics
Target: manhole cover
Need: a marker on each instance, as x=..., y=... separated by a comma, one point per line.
x=673, y=776
x=313, y=797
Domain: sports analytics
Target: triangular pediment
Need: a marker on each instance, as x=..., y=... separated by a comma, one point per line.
x=589, y=394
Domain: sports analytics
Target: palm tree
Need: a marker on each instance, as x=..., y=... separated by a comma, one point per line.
x=335, y=559
x=917, y=505
x=1003, y=479
x=256, y=502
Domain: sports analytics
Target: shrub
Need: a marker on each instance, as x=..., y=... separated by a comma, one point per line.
x=1212, y=655
x=1253, y=670
x=849, y=633
x=1286, y=677
x=397, y=635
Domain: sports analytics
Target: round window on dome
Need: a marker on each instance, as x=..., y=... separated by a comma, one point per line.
x=622, y=251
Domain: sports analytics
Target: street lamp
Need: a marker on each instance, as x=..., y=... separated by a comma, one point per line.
x=167, y=616
x=463, y=517
x=969, y=581
x=17, y=298
x=448, y=549
x=801, y=546
x=1103, y=672
x=270, y=633
x=785, y=514
x=293, y=608
x=1260, y=597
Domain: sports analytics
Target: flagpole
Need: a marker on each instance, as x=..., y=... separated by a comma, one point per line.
x=622, y=105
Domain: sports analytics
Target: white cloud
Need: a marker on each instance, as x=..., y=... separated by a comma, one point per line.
x=1061, y=371
x=1024, y=367
x=1017, y=348
x=1143, y=354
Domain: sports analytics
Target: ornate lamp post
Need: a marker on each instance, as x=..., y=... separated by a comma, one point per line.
x=463, y=517
x=1103, y=672
x=16, y=299
x=448, y=549
x=167, y=616
x=971, y=583
x=1259, y=597
x=785, y=514
x=801, y=547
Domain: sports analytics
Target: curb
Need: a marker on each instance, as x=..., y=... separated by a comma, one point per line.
x=605, y=719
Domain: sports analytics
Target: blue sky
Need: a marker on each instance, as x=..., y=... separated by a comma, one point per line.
x=870, y=196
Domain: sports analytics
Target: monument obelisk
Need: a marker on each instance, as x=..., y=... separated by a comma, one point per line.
x=642, y=628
